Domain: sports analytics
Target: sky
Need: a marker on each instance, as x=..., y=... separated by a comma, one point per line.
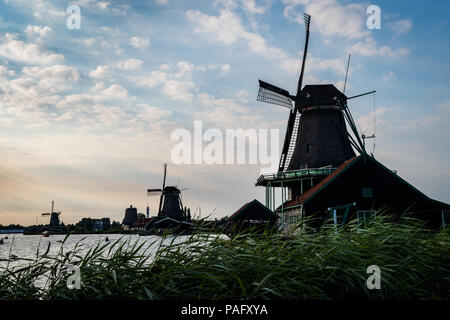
x=87, y=115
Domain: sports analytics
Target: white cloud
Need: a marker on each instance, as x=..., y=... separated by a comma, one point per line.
x=129, y=64
x=178, y=85
x=445, y=105
x=88, y=41
x=369, y=48
x=401, y=26
x=315, y=64
x=37, y=32
x=251, y=6
x=16, y=50
x=227, y=28
x=388, y=77
x=101, y=72
x=116, y=91
x=5, y=71
x=330, y=18
x=151, y=113
x=139, y=43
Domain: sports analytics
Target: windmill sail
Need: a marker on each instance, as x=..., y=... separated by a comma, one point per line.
x=272, y=94
x=307, y=18
x=290, y=139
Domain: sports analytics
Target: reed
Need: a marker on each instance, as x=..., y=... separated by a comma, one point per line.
x=310, y=264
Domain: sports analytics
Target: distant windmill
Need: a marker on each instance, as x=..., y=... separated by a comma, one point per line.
x=170, y=204
x=54, y=216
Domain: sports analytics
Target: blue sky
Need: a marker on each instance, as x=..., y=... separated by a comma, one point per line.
x=86, y=115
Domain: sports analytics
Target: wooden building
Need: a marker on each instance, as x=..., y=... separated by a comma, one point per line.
x=252, y=216
x=325, y=170
x=359, y=188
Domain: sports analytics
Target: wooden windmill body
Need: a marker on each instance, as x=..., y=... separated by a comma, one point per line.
x=316, y=140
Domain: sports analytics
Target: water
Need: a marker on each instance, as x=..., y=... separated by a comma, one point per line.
x=20, y=250
x=20, y=247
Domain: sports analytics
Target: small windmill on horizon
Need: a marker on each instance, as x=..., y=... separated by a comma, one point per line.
x=54, y=216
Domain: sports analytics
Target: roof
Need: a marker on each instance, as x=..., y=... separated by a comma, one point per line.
x=319, y=94
x=242, y=210
x=305, y=196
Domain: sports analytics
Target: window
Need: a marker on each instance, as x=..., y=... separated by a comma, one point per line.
x=367, y=192
x=364, y=218
x=308, y=148
x=338, y=215
x=445, y=218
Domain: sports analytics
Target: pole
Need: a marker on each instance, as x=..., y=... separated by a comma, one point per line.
x=346, y=72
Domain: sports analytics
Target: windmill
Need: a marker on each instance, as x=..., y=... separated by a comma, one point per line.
x=316, y=140
x=54, y=216
x=170, y=204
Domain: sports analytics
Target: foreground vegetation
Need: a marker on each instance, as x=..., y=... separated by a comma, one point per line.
x=414, y=263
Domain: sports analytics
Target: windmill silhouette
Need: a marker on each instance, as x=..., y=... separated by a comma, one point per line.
x=170, y=204
x=54, y=216
x=316, y=140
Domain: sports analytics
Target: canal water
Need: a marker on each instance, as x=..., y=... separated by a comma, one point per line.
x=20, y=250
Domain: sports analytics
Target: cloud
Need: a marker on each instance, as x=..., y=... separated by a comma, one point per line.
x=223, y=68
x=31, y=53
x=445, y=105
x=333, y=19
x=139, y=43
x=116, y=91
x=37, y=32
x=251, y=6
x=178, y=85
x=228, y=29
x=101, y=72
x=337, y=65
x=370, y=48
x=401, y=26
x=129, y=64
x=388, y=77
x=330, y=18
x=88, y=41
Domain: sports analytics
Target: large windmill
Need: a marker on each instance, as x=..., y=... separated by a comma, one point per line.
x=316, y=140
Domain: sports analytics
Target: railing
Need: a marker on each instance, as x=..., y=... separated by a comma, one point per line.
x=296, y=174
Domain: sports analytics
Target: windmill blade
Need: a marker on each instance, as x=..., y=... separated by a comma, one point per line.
x=154, y=192
x=307, y=18
x=165, y=172
x=164, y=185
x=272, y=94
x=290, y=140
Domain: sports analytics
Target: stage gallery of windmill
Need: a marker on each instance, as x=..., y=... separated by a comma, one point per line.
x=319, y=172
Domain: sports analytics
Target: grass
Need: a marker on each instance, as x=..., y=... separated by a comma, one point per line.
x=326, y=264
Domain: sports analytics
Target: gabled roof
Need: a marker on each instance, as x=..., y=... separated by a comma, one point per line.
x=308, y=195
x=249, y=205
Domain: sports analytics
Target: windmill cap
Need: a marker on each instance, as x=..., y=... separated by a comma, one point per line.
x=319, y=94
x=171, y=190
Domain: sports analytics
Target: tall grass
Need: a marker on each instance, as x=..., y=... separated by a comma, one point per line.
x=328, y=264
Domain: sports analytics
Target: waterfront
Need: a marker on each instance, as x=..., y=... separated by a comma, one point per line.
x=20, y=249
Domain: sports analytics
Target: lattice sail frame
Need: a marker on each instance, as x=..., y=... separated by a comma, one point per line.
x=272, y=97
